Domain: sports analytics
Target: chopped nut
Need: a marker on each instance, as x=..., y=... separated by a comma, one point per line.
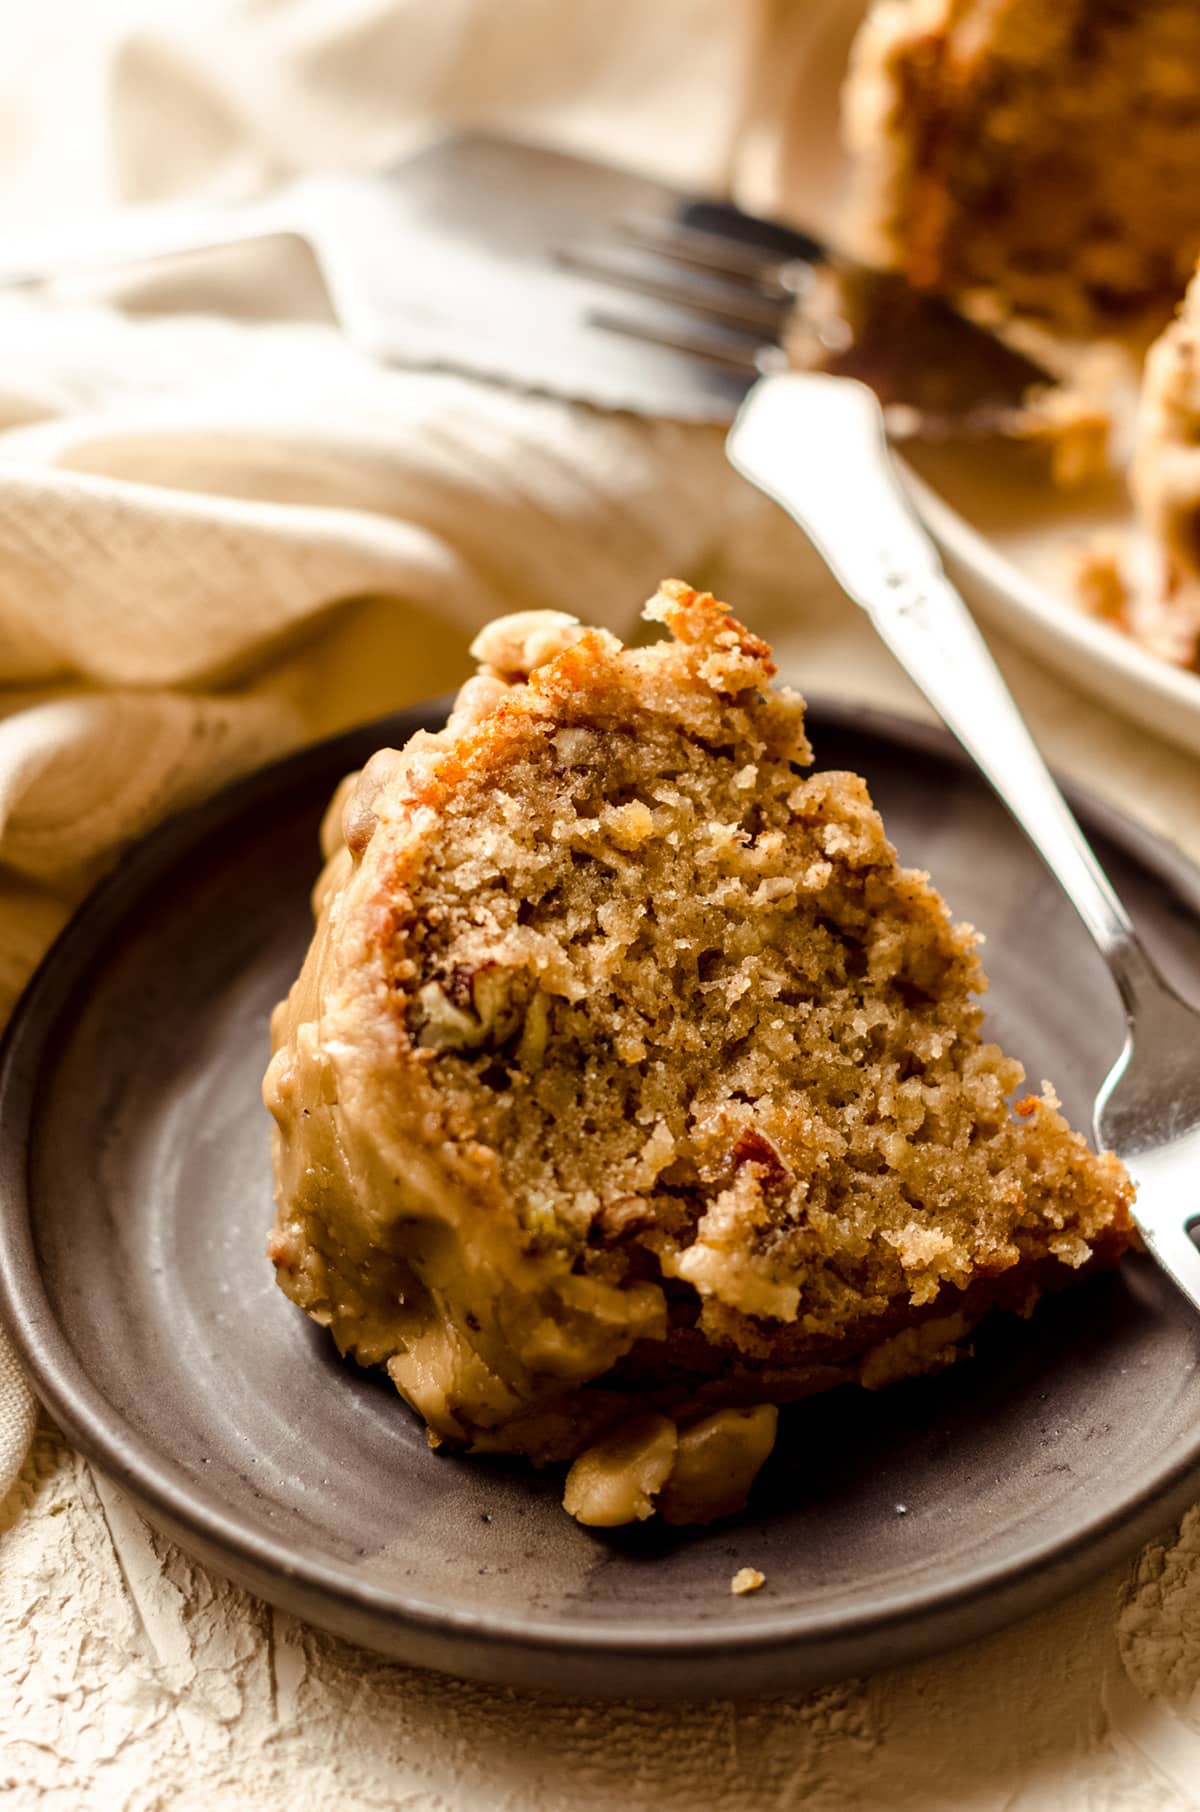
x=532, y=1047
x=627, y=1214
x=358, y=815
x=616, y=1481
x=716, y=1462
x=472, y=1006
x=333, y=835
x=443, y=1026
x=515, y=646
x=746, y=1579
x=496, y=995
x=629, y=825
x=477, y=698
x=572, y=745
x=915, y=1350
x=753, y=1147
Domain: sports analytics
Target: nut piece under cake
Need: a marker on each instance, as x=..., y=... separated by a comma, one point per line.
x=631, y=1087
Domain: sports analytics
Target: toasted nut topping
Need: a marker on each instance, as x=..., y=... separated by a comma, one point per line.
x=358, y=815
x=477, y=698
x=515, y=646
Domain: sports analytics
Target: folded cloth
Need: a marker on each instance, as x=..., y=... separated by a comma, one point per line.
x=218, y=540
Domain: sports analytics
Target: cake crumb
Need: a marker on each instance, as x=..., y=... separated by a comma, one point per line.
x=746, y=1579
x=1098, y=581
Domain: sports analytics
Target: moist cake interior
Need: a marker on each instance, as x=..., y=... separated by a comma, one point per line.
x=631, y=1074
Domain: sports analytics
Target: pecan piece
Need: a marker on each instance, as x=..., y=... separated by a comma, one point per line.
x=753, y=1147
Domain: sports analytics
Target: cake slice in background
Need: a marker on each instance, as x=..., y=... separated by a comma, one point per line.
x=1042, y=155
x=1165, y=481
x=631, y=1087
x=1038, y=164
x=1146, y=580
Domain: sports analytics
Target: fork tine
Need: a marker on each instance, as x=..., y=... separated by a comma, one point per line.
x=706, y=251
x=744, y=357
x=735, y=307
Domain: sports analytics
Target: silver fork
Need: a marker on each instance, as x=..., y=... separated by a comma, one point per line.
x=816, y=444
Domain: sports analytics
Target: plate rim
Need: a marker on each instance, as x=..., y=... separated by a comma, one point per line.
x=1047, y=623
x=1028, y=1580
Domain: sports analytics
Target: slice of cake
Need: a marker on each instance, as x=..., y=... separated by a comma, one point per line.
x=1148, y=582
x=1165, y=481
x=1042, y=154
x=631, y=1087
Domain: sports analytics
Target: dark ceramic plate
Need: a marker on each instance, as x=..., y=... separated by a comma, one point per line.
x=135, y=1198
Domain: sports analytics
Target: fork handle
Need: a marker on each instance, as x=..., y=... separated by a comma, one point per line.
x=817, y=445
x=138, y=234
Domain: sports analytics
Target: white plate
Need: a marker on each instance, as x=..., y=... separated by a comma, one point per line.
x=1008, y=539
x=1009, y=548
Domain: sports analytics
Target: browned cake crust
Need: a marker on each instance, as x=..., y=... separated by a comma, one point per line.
x=1044, y=153
x=629, y=1072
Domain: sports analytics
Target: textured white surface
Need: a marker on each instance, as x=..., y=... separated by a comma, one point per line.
x=135, y=461
x=131, y=1679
